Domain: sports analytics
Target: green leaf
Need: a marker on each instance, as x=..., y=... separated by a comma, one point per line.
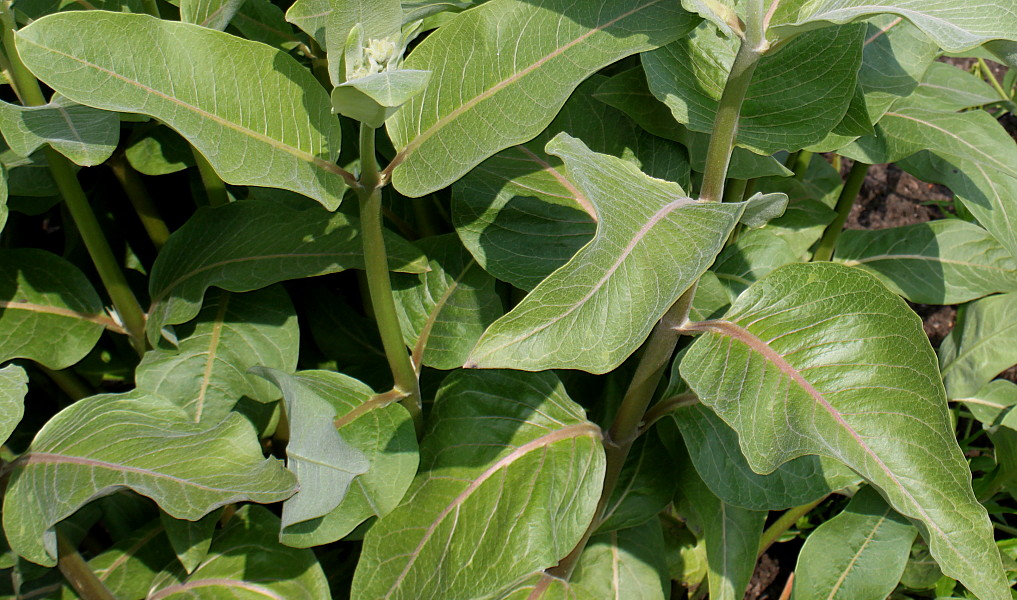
x=234, y=570
x=628, y=563
x=379, y=20
x=239, y=108
x=131, y=565
x=29, y=176
x=191, y=539
x=13, y=387
x=49, y=311
x=383, y=434
x=483, y=95
x=160, y=152
x=324, y=463
x=262, y=21
x=822, y=359
x=248, y=245
x=982, y=345
x=992, y=401
x=955, y=26
x=942, y=262
x=444, y=312
x=372, y=99
x=896, y=54
x=813, y=74
x=85, y=135
x=139, y=441
x=214, y=14
x=514, y=498
x=752, y=256
x=645, y=487
x=652, y=243
x=731, y=535
x=945, y=87
x=859, y=554
x=207, y=374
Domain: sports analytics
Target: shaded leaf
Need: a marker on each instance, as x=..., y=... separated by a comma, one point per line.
x=13, y=387
x=749, y=258
x=233, y=570
x=895, y=56
x=942, y=262
x=468, y=111
x=130, y=566
x=992, y=401
x=628, y=563
x=859, y=554
x=85, y=135
x=513, y=499
x=983, y=344
x=822, y=359
x=138, y=441
x=49, y=311
x=322, y=460
x=262, y=21
x=945, y=87
x=30, y=176
x=652, y=243
x=214, y=14
x=248, y=245
x=207, y=373
x=191, y=539
x=238, y=110
x=159, y=152
x=383, y=434
x=645, y=486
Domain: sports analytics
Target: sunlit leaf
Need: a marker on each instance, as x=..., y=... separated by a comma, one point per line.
x=823, y=359
x=513, y=499
x=159, y=152
x=945, y=87
x=190, y=539
x=982, y=345
x=138, y=441
x=257, y=115
x=13, y=387
x=214, y=14
x=85, y=135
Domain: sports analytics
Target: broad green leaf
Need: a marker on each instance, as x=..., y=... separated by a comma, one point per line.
x=859, y=554
x=139, y=441
x=49, y=311
x=955, y=26
x=652, y=243
x=645, y=486
x=445, y=310
x=324, y=463
x=731, y=535
x=942, y=262
x=921, y=572
x=346, y=336
x=372, y=99
x=813, y=74
x=13, y=387
x=895, y=56
x=488, y=92
x=518, y=213
x=945, y=87
x=981, y=345
x=247, y=562
x=248, y=245
x=36, y=9
x=206, y=374
x=311, y=16
x=628, y=563
x=749, y=258
x=190, y=539
x=30, y=176
x=384, y=435
x=160, y=152
x=85, y=135
x=130, y=566
x=514, y=498
x=822, y=359
x=992, y=401
x=262, y=21
x=214, y=14
x=256, y=114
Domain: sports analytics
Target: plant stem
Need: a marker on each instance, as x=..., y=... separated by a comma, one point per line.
x=376, y=262
x=77, y=573
x=735, y=190
x=69, y=383
x=801, y=164
x=853, y=185
x=126, y=304
x=152, y=8
x=992, y=80
x=215, y=189
x=783, y=523
x=136, y=193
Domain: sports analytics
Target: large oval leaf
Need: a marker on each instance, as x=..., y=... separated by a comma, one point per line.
x=822, y=359
x=13, y=387
x=139, y=441
x=488, y=92
x=513, y=498
x=254, y=112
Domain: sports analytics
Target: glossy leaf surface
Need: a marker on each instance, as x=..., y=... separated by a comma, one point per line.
x=822, y=359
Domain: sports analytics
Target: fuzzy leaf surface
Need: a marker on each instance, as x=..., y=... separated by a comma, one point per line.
x=83, y=134
x=255, y=113
x=859, y=554
x=513, y=498
x=243, y=246
x=652, y=242
x=488, y=92
x=139, y=441
x=822, y=359
x=207, y=373
x=49, y=311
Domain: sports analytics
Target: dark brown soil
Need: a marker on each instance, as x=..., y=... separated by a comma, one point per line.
x=765, y=575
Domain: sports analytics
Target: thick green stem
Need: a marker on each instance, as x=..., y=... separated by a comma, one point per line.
x=69, y=383
x=735, y=191
x=853, y=185
x=76, y=571
x=801, y=164
x=376, y=262
x=215, y=189
x=126, y=304
x=992, y=80
x=783, y=523
x=138, y=196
